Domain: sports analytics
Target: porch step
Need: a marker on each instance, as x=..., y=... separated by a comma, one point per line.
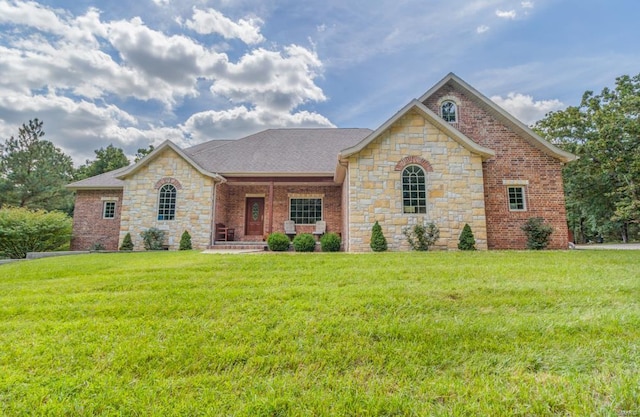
x=239, y=246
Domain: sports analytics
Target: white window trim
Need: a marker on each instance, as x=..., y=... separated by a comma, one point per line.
x=175, y=208
x=307, y=197
x=426, y=200
x=104, y=209
x=455, y=101
x=522, y=187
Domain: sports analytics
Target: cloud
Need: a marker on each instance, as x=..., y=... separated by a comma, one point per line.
x=95, y=82
x=482, y=29
x=525, y=108
x=527, y=4
x=510, y=14
x=212, y=21
x=241, y=121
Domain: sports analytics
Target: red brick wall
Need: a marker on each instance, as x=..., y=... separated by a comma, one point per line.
x=515, y=159
x=231, y=206
x=89, y=227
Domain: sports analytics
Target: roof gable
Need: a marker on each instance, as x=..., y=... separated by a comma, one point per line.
x=434, y=119
x=167, y=144
x=499, y=114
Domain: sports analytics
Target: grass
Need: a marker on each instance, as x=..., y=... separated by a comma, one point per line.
x=449, y=334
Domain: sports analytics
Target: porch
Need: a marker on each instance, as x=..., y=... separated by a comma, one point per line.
x=253, y=208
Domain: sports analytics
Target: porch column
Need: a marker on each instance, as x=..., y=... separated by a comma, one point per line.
x=271, y=207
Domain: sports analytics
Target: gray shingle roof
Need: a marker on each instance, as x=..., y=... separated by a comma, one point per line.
x=272, y=152
x=279, y=151
x=107, y=180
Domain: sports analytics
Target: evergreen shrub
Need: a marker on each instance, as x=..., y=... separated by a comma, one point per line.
x=466, y=240
x=330, y=242
x=378, y=241
x=537, y=232
x=127, y=243
x=278, y=242
x=304, y=242
x=185, y=241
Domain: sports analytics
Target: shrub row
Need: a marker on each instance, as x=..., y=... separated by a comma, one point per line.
x=304, y=242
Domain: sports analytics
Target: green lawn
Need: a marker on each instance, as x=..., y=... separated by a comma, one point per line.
x=450, y=334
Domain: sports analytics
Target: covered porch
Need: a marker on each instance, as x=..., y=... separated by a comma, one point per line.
x=249, y=209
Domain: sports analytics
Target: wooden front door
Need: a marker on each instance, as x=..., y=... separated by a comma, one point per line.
x=254, y=214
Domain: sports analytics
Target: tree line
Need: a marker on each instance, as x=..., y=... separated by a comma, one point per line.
x=34, y=172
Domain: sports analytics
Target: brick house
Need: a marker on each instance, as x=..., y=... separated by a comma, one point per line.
x=451, y=157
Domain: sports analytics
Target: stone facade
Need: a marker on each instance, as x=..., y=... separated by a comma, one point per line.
x=455, y=192
x=194, y=202
x=515, y=160
x=89, y=226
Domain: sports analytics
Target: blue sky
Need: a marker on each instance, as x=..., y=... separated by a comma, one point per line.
x=136, y=73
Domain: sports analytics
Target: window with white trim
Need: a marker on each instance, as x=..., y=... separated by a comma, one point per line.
x=167, y=202
x=414, y=190
x=305, y=210
x=449, y=111
x=109, y=210
x=516, y=197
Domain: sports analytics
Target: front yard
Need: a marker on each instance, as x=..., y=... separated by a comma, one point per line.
x=451, y=334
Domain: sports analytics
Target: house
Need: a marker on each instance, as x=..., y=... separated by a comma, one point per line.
x=450, y=157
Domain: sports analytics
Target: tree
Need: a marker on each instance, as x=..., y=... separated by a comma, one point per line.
x=185, y=241
x=466, y=241
x=142, y=152
x=603, y=186
x=33, y=172
x=107, y=159
x=378, y=241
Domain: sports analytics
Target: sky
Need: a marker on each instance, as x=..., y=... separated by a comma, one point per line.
x=136, y=73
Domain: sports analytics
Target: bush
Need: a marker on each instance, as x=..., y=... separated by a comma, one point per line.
x=23, y=230
x=97, y=246
x=304, y=242
x=127, y=243
x=466, y=240
x=421, y=238
x=278, y=242
x=185, y=241
x=537, y=233
x=330, y=242
x=378, y=241
x=153, y=239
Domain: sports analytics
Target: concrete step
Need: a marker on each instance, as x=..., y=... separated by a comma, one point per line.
x=239, y=246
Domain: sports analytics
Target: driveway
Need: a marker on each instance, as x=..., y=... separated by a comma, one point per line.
x=610, y=246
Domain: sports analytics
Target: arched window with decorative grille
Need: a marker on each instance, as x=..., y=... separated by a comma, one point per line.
x=167, y=202
x=414, y=190
x=449, y=111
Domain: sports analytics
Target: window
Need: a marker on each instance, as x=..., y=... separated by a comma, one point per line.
x=109, y=210
x=167, y=202
x=414, y=194
x=516, y=198
x=305, y=210
x=449, y=111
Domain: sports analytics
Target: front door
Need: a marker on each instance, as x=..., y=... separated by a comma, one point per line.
x=254, y=216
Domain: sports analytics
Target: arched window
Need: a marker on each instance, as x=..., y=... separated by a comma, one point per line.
x=414, y=192
x=167, y=202
x=449, y=111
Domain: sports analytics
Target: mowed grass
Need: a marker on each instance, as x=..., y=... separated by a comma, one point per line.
x=450, y=334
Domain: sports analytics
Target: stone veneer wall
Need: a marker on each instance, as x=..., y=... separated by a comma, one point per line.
x=193, y=202
x=455, y=193
x=89, y=227
x=515, y=160
x=231, y=206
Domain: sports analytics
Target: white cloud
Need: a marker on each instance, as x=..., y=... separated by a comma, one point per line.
x=482, y=29
x=510, y=14
x=212, y=21
x=161, y=3
x=525, y=108
x=241, y=121
x=527, y=4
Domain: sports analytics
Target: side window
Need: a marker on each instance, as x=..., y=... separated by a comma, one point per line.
x=516, y=198
x=449, y=111
x=109, y=210
x=305, y=210
x=167, y=202
x=414, y=190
